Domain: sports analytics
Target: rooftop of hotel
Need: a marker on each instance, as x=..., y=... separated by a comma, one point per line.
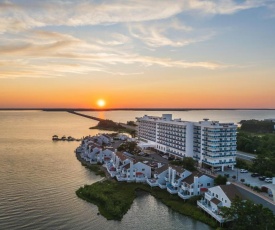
x=167, y=118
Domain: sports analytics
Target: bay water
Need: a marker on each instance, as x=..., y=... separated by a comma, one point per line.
x=39, y=177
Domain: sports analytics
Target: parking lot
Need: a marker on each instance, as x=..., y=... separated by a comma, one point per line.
x=253, y=181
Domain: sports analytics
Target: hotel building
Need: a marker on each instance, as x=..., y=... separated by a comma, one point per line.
x=211, y=143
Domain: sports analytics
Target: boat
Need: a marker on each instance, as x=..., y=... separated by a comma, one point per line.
x=55, y=138
x=70, y=138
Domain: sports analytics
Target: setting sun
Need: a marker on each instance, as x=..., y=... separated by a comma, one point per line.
x=101, y=103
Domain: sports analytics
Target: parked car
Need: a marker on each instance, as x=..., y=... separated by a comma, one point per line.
x=226, y=175
x=262, y=177
x=268, y=180
x=243, y=171
x=217, y=169
x=255, y=174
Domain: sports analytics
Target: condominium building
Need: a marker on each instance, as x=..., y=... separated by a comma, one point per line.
x=215, y=143
x=209, y=142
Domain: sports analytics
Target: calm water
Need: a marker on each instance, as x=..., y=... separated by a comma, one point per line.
x=38, y=178
x=194, y=115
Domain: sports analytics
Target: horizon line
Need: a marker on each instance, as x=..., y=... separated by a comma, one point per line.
x=129, y=109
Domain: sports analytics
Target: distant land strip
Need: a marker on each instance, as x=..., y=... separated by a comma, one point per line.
x=130, y=109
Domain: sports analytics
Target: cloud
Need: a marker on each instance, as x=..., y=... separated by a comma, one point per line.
x=116, y=40
x=224, y=6
x=24, y=15
x=52, y=54
x=171, y=33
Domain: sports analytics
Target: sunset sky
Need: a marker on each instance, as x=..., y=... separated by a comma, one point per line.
x=137, y=53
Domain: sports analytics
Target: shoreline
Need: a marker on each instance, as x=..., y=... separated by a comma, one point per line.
x=128, y=190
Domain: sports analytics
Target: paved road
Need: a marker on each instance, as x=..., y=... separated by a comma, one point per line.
x=256, y=199
x=246, y=156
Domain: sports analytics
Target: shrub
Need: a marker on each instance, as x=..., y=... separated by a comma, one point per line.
x=220, y=180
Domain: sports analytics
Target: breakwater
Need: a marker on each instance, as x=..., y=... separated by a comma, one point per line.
x=87, y=116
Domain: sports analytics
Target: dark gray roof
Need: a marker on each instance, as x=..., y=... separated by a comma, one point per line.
x=215, y=201
x=161, y=169
x=178, y=169
x=190, y=179
x=231, y=191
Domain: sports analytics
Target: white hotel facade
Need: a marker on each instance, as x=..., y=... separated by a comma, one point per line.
x=209, y=142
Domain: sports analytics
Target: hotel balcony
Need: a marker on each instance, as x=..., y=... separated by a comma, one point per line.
x=152, y=182
x=196, y=157
x=171, y=189
x=203, y=205
x=219, y=156
x=218, y=163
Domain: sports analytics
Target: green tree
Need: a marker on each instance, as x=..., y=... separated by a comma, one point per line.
x=247, y=215
x=220, y=180
x=187, y=163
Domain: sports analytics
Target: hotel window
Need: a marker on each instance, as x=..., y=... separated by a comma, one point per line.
x=208, y=184
x=217, y=195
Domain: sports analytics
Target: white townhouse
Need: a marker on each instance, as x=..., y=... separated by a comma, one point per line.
x=217, y=197
x=159, y=177
x=174, y=178
x=134, y=171
x=194, y=185
x=92, y=154
x=88, y=150
x=211, y=143
x=117, y=161
x=104, y=156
